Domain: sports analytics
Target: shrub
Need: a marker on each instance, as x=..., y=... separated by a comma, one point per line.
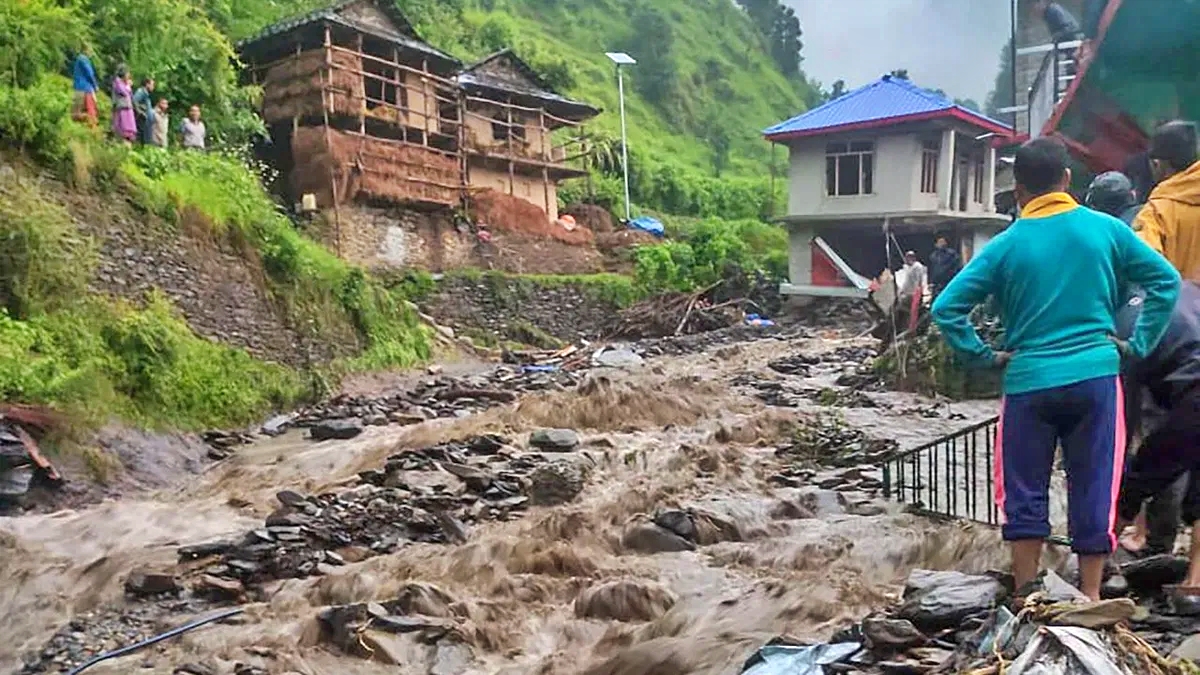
x=35, y=119
x=35, y=37
x=45, y=263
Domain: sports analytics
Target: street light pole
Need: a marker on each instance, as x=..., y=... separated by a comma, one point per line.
x=624, y=139
x=622, y=59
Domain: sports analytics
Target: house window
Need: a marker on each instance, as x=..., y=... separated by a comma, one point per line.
x=850, y=168
x=930, y=151
x=979, y=182
x=501, y=130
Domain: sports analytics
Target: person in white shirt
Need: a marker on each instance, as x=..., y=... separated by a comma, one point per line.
x=193, y=130
x=913, y=278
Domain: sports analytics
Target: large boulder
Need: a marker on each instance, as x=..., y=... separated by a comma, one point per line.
x=554, y=440
x=557, y=482
x=938, y=600
x=336, y=430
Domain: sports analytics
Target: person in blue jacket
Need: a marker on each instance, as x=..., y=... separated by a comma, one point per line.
x=1057, y=276
x=83, y=76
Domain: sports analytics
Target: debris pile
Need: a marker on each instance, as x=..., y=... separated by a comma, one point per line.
x=676, y=314
x=425, y=495
x=22, y=465
x=950, y=622
x=826, y=439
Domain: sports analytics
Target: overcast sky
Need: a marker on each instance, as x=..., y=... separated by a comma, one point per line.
x=952, y=45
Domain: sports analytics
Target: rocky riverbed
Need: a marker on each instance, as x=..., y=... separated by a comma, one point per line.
x=664, y=517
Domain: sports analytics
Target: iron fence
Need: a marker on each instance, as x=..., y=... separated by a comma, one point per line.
x=951, y=476
x=955, y=476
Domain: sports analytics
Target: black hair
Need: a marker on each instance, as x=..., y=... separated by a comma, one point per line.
x=1175, y=144
x=1040, y=165
x=147, y=80
x=1138, y=170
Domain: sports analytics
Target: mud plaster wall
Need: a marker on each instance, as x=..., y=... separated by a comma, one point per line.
x=395, y=237
x=479, y=130
x=529, y=188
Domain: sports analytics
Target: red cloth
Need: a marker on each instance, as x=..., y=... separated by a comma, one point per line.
x=914, y=308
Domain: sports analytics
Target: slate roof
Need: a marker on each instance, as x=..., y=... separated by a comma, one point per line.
x=889, y=100
x=405, y=35
x=475, y=78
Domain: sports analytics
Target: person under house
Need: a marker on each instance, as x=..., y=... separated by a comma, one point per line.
x=1157, y=522
x=1060, y=357
x=911, y=281
x=1170, y=221
x=944, y=263
x=1170, y=452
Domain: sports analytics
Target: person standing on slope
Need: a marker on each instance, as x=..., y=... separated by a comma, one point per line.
x=1057, y=275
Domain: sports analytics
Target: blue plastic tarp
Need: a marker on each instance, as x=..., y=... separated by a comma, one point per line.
x=789, y=660
x=648, y=224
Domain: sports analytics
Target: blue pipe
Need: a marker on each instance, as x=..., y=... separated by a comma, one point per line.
x=156, y=639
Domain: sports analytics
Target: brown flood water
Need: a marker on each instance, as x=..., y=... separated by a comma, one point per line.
x=793, y=563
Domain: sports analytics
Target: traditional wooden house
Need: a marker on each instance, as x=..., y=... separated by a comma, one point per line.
x=359, y=107
x=510, y=114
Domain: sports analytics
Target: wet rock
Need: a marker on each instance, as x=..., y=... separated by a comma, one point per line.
x=713, y=528
x=646, y=537
x=1097, y=615
x=196, y=551
x=194, y=669
x=143, y=582
x=557, y=482
x=291, y=499
x=1151, y=574
x=624, y=600
x=218, y=587
x=476, y=479
x=891, y=635
x=939, y=600
x=343, y=429
x=1114, y=587
x=278, y=424
x=677, y=521
x=248, y=669
x=554, y=440
x=620, y=357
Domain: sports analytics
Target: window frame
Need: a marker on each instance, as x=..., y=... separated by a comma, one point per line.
x=862, y=154
x=931, y=154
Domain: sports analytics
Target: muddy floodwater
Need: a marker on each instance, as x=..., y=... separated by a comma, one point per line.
x=561, y=589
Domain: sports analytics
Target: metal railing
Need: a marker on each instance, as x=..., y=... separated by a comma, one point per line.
x=952, y=476
x=955, y=477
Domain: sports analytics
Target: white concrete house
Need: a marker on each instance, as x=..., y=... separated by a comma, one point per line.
x=889, y=157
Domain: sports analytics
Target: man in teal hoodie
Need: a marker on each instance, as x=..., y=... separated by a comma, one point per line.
x=1058, y=275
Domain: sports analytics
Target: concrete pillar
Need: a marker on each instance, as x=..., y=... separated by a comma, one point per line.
x=800, y=254
x=989, y=180
x=946, y=168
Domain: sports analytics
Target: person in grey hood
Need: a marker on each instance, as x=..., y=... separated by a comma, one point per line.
x=1113, y=193
x=1170, y=452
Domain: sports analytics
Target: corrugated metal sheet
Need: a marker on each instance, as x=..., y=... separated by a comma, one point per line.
x=883, y=100
x=333, y=13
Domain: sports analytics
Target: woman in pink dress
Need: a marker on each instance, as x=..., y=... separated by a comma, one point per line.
x=124, y=124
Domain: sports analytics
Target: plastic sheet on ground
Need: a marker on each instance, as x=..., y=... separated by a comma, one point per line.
x=648, y=224
x=1067, y=650
x=792, y=660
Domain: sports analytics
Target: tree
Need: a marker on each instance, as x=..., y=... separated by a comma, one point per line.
x=652, y=44
x=716, y=132
x=838, y=90
x=1001, y=95
x=968, y=103
x=780, y=29
x=900, y=73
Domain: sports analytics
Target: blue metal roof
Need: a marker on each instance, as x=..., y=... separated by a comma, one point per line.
x=887, y=100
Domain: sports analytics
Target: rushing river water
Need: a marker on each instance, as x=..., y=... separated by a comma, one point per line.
x=677, y=433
